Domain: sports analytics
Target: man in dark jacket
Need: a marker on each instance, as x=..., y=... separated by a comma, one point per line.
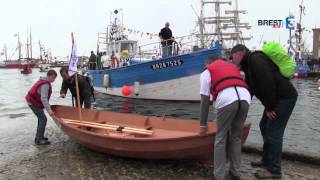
x=92, y=61
x=85, y=90
x=166, y=40
x=277, y=95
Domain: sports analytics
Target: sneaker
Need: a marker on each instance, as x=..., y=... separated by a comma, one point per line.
x=42, y=142
x=265, y=174
x=45, y=138
x=257, y=164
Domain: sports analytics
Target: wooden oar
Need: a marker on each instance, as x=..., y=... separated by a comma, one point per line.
x=109, y=125
x=110, y=128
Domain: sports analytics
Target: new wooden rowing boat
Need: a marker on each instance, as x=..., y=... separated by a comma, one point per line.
x=137, y=136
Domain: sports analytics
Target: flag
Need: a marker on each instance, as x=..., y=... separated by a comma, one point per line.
x=73, y=59
x=292, y=51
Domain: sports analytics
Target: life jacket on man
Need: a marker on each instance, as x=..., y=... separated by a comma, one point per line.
x=33, y=97
x=224, y=75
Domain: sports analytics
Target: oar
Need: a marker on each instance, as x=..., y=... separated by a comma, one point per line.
x=113, y=127
x=120, y=129
x=109, y=125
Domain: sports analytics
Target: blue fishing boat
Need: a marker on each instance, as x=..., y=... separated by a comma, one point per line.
x=140, y=72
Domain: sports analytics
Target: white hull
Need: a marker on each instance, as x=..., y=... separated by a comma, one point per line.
x=181, y=89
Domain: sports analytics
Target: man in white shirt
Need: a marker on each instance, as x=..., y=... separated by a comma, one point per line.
x=230, y=92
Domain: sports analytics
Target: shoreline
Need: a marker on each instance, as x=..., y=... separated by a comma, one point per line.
x=290, y=155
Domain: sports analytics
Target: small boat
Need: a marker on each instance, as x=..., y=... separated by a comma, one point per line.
x=26, y=69
x=138, y=136
x=44, y=67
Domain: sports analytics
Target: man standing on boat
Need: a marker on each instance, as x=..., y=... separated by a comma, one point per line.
x=278, y=97
x=38, y=98
x=92, y=61
x=85, y=89
x=166, y=40
x=223, y=81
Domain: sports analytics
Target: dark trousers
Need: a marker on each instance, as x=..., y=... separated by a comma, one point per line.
x=42, y=121
x=166, y=51
x=92, y=65
x=86, y=101
x=272, y=132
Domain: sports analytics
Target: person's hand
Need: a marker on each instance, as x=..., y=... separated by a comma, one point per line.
x=203, y=131
x=51, y=114
x=62, y=95
x=271, y=115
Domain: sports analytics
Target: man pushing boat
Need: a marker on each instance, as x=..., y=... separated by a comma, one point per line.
x=85, y=88
x=230, y=92
x=38, y=98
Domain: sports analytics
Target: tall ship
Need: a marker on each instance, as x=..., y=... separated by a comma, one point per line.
x=142, y=71
x=20, y=62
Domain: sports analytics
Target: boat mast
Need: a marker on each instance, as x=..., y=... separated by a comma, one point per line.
x=40, y=51
x=224, y=22
x=5, y=52
x=19, y=48
x=299, y=29
x=27, y=51
x=201, y=25
x=30, y=45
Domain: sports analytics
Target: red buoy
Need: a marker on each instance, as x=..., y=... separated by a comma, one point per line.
x=126, y=90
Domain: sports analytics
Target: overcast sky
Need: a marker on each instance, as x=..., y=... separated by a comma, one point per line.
x=53, y=20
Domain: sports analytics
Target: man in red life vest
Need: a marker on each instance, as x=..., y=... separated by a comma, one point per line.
x=38, y=99
x=223, y=81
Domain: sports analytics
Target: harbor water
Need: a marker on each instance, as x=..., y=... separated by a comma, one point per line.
x=302, y=133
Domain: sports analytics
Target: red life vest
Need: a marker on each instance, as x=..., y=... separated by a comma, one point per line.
x=224, y=75
x=33, y=97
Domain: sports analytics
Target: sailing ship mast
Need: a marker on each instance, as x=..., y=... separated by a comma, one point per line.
x=5, y=51
x=19, y=47
x=299, y=31
x=223, y=23
x=30, y=44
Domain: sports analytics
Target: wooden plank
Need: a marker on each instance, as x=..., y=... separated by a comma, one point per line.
x=110, y=127
x=103, y=124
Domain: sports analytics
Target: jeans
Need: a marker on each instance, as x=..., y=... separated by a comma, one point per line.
x=42, y=121
x=166, y=51
x=272, y=132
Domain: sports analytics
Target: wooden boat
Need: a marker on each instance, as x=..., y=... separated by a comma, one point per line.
x=138, y=136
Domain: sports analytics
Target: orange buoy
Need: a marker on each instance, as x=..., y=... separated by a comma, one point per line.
x=126, y=90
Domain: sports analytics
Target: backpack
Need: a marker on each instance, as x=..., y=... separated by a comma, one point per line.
x=280, y=57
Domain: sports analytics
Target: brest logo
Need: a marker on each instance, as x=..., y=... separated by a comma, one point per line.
x=278, y=23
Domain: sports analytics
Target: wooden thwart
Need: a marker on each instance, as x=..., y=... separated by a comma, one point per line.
x=109, y=127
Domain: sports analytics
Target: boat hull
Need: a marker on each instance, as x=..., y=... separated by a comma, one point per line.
x=172, y=78
x=172, y=138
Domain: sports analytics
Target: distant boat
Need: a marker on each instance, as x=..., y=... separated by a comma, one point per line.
x=44, y=67
x=27, y=69
x=17, y=64
x=138, y=136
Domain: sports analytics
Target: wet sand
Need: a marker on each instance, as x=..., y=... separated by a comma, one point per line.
x=66, y=159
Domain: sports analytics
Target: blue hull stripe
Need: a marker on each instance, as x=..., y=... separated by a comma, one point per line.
x=155, y=71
